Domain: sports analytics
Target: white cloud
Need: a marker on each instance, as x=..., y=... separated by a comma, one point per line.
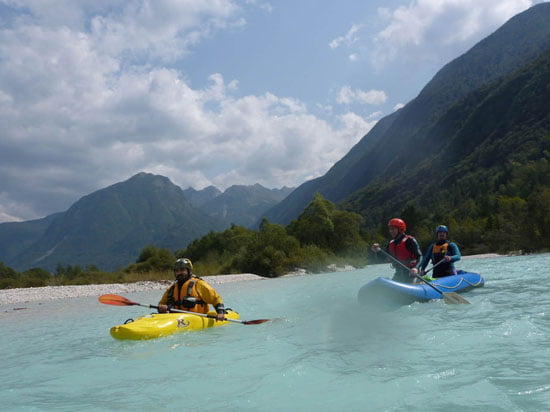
x=91, y=93
x=4, y=217
x=434, y=29
x=163, y=29
x=348, y=95
x=81, y=109
x=355, y=126
x=349, y=38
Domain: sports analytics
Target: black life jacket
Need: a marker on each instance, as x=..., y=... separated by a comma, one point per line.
x=439, y=251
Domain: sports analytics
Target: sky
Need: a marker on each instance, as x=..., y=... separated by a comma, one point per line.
x=208, y=92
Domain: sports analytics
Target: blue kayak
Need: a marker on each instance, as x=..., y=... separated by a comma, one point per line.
x=383, y=292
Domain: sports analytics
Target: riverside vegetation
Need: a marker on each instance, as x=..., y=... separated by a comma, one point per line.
x=324, y=235
x=321, y=236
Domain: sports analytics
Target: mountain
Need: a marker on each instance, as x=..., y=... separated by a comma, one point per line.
x=239, y=204
x=108, y=228
x=495, y=142
x=243, y=205
x=200, y=197
x=417, y=131
x=16, y=237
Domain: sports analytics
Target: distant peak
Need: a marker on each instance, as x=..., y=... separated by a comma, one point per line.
x=143, y=175
x=149, y=177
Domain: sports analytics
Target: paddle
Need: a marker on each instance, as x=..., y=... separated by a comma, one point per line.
x=441, y=261
x=426, y=272
x=110, y=299
x=448, y=297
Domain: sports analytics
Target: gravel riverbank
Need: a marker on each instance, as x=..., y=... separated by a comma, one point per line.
x=22, y=295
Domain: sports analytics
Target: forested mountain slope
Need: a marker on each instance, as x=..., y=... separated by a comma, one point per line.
x=413, y=133
x=489, y=172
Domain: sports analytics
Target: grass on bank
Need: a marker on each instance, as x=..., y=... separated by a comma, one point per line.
x=143, y=271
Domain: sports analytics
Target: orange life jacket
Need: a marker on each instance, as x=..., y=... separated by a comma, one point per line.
x=181, y=300
x=439, y=251
x=399, y=250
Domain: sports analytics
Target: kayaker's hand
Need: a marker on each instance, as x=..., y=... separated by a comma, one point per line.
x=447, y=258
x=423, y=272
x=375, y=247
x=220, y=316
x=163, y=308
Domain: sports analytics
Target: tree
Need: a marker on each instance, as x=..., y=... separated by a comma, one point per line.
x=539, y=214
x=7, y=272
x=9, y=278
x=35, y=277
x=272, y=252
x=314, y=226
x=219, y=243
x=323, y=225
x=346, y=234
x=152, y=259
x=514, y=233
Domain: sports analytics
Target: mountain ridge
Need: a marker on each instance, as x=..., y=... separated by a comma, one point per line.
x=108, y=227
x=238, y=204
x=498, y=129
x=522, y=38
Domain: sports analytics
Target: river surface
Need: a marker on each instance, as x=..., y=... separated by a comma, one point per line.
x=327, y=353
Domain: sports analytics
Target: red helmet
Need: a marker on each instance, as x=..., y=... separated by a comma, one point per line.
x=399, y=224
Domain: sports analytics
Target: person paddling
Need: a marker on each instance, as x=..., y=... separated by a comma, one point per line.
x=190, y=293
x=442, y=250
x=404, y=248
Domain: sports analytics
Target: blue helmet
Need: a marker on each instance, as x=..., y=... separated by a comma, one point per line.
x=441, y=228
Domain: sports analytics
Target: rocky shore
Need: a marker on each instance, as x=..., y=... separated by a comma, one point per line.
x=22, y=295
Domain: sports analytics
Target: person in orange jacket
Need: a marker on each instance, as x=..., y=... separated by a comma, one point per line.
x=190, y=293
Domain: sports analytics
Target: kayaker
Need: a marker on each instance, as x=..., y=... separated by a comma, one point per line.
x=404, y=248
x=442, y=249
x=190, y=292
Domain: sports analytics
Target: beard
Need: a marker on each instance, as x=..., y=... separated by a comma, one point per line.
x=182, y=278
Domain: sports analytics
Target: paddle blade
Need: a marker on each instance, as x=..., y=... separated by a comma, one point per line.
x=454, y=298
x=110, y=299
x=255, y=321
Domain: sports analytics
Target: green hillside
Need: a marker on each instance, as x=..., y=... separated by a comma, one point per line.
x=485, y=169
x=406, y=137
x=15, y=237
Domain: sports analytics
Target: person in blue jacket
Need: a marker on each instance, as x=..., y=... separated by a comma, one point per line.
x=442, y=249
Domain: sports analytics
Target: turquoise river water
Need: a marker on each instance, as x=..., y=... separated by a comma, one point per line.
x=326, y=354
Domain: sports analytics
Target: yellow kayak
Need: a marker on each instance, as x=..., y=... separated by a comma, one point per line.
x=157, y=325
